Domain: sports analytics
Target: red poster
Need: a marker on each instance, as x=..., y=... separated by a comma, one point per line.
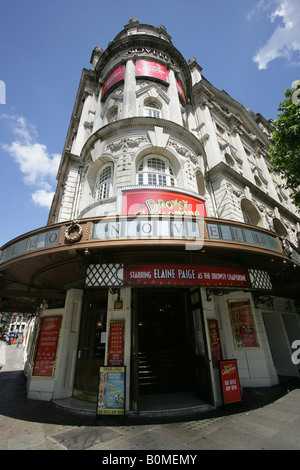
x=116, y=343
x=243, y=324
x=46, y=351
x=214, y=341
x=185, y=275
x=155, y=201
x=230, y=381
x=145, y=68
x=180, y=90
x=116, y=76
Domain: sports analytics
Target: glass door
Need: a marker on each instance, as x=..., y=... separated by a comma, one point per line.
x=91, y=346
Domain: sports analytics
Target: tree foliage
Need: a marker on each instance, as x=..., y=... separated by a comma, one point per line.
x=285, y=151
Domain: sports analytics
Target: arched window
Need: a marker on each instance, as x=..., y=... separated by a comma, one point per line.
x=151, y=109
x=247, y=218
x=113, y=116
x=280, y=228
x=103, y=183
x=250, y=214
x=155, y=171
x=229, y=160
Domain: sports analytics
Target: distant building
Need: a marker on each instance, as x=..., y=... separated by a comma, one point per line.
x=16, y=327
x=170, y=244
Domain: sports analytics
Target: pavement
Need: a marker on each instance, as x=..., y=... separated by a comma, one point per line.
x=266, y=419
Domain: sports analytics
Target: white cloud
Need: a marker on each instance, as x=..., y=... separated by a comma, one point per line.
x=285, y=39
x=38, y=166
x=43, y=198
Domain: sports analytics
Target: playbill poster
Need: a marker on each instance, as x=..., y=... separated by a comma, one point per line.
x=111, y=393
x=242, y=323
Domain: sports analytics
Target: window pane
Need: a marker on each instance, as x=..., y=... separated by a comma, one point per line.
x=162, y=180
x=84, y=339
x=157, y=171
x=100, y=330
x=152, y=179
x=157, y=164
x=103, y=181
x=105, y=175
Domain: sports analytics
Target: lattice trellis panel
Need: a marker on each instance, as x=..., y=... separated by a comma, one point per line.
x=260, y=279
x=105, y=275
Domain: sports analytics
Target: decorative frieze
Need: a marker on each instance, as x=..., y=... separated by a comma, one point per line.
x=125, y=144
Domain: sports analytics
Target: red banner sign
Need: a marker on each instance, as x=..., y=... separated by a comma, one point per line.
x=230, y=381
x=145, y=68
x=116, y=343
x=116, y=76
x=46, y=351
x=157, y=201
x=191, y=275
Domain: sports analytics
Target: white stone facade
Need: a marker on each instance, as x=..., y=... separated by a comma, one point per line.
x=208, y=144
x=216, y=147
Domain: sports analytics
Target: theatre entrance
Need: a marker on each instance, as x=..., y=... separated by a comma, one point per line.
x=91, y=345
x=167, y=359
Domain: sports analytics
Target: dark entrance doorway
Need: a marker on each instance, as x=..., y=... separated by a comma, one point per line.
x=91, y=346
x=165, y=341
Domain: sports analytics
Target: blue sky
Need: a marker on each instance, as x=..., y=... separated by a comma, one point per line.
x=249, y=48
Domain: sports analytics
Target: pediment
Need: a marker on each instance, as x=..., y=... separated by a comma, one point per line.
x=152, y=90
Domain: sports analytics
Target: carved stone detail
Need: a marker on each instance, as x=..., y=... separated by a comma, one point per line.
x=125, y=144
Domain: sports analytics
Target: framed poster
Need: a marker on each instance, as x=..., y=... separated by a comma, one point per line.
x=214, y=342
x=111, y=393
x=116, y=343
x=243, y=327
x=47, y=345
x=230, y=381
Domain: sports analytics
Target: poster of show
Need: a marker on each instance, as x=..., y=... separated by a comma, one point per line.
x=111, y=393
x=161, y=201
x=47, y=345
x=242, y=323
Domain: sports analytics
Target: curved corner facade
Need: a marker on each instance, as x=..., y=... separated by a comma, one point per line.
x=169, y=244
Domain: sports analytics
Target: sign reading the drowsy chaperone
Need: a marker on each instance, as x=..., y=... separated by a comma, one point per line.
x=111, y=393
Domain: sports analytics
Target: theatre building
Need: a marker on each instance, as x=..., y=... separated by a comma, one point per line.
x=170, y=245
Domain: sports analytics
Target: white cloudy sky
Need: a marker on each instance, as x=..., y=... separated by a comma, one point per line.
x=38, y=167
x=250, y=48
x=284, y=41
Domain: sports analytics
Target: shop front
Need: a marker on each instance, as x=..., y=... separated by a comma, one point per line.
x=170, y=339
